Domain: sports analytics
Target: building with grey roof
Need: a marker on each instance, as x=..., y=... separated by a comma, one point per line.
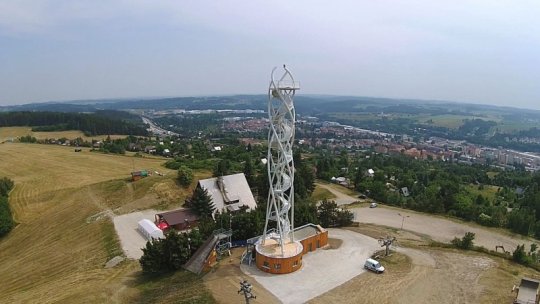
x=230, y=192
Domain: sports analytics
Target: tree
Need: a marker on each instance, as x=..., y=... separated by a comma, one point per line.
x=170, y=253
x=185, y=176
x=464, y=243
x=305, y=212
x=249, y=172
x=6, y=220
x=344, y=218
x=519, y=255
x=325, y=213
x=331, y=216
x=6, y=185
x=263, y=185
x=222, y=168
x=201, y=203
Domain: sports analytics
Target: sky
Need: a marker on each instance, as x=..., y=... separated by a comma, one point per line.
x=484, y=52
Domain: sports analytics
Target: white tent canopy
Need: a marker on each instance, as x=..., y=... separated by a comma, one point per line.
x=150, y=230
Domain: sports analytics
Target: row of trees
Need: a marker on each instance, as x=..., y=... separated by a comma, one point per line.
x=6, y=219
x=100, y=123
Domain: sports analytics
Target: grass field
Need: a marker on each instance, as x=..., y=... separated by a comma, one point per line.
x=489, y=192
x=514, y=126
x=320, y=193
x=57, y=251
x=449, y=121
x=8, y=133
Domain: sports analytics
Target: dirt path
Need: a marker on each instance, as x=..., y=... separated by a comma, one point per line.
x=224, y=282
x=341, y=198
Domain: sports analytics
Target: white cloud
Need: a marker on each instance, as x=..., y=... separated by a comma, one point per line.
x=470, y=50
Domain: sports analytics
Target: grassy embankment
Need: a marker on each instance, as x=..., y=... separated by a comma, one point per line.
x=62, y=201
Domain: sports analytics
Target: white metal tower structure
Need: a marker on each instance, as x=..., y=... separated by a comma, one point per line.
x=280, y=157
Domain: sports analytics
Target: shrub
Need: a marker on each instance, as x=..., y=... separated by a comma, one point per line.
x=6, y=220
x=520, y=256
x=185, y=176
x=464, y=243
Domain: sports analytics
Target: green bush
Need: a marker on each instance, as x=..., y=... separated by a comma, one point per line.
x=185, y=176
x=5, y=186
x=6, y=220
x=464, y=243
x=520, y=256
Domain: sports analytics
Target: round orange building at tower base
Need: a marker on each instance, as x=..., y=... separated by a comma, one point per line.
x=269, y=257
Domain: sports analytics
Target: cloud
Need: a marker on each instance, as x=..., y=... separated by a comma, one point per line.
x=418, y=48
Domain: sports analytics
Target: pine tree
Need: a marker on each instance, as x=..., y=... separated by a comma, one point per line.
x=249, y=172
x=201, y=203
x=223, y=167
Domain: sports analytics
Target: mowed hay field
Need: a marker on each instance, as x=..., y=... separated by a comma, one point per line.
x=8, y=133
x=58, y=250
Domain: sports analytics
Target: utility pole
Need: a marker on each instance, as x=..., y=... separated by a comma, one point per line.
x=245, y=288
x=402, y=219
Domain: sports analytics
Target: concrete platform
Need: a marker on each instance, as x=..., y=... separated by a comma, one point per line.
x=321, y=270
x=126, y=227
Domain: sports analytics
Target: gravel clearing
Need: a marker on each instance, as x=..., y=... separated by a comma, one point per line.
x=437, y=228
x=126, y=227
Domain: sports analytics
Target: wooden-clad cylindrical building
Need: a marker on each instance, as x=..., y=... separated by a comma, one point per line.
x=270, y=259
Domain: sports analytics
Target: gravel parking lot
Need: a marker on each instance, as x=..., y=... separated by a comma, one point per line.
x=126, y=227
x=437, y=228
x=321, y=270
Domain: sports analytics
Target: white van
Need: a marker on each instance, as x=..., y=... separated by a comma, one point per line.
x=373, y=265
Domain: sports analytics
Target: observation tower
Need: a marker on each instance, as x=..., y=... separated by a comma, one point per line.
x=277, y=251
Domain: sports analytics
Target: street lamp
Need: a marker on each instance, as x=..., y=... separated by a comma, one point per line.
x=402, y=219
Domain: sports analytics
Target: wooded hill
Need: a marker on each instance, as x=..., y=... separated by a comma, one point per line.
x=98, y=123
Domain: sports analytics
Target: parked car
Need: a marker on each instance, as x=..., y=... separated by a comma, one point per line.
x=374, y=266
x=373, y=205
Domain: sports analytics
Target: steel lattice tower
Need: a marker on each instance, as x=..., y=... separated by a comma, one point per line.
x=280, y=156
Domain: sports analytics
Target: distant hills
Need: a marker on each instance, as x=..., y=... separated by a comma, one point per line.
x=305, y=104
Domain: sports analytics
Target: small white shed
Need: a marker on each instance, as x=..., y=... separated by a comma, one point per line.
x=150, y=230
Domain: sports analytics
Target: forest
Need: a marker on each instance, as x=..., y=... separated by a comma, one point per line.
x=99, y=123
x=488, y=196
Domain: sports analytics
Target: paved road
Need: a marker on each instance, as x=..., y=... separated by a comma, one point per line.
x=154, y=128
